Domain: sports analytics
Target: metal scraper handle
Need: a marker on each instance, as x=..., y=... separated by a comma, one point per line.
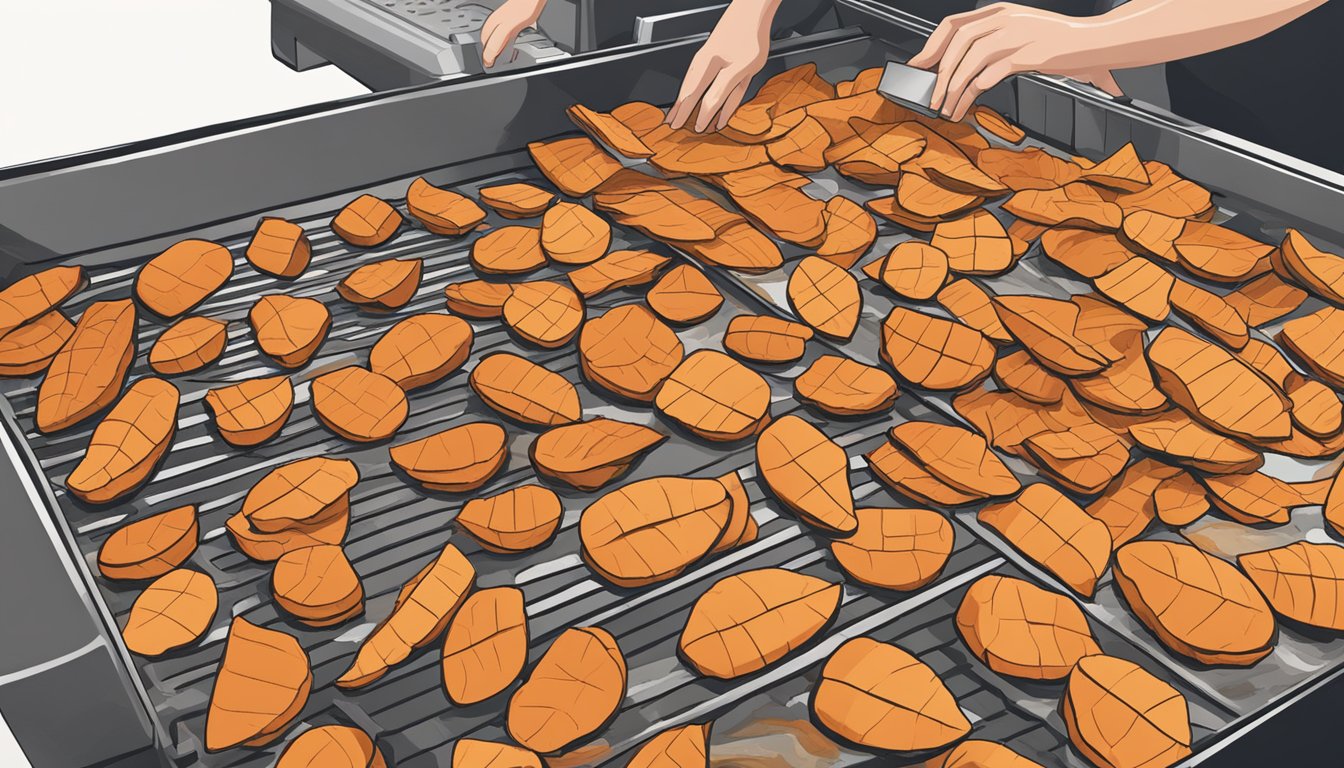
x=910, y=87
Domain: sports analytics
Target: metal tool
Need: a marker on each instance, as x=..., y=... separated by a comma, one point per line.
x=908, y=86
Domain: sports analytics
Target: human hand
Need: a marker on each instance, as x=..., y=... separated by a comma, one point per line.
x=718, y=77
x=973, y=51
x=503, y=26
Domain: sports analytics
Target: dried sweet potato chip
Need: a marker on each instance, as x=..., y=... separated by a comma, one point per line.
x=835, y=114
x=956, y=456
x=37, y=294
x=172, y=612
x=513, y=250
x=972, y=305
x=442, y=211
x=1019, y=629
x=904, y=474
x=1050, y=529
x=423, y=609
x=261, y=686
x=629, y=352
x=332, y=746
x=1140, y=286
x=1046, y=327
x=31, y=347
x=876, y=151
x=1083, y=459
x=925, y=199
x=1220, y=254
x=253, y=410
x=151, y=546
x=787, y=213
x=422, y=349
x=890, y=208
x=366, y=221
x=304, y=492
x=766, y=339
x=898, y=548
x=182, y=277
x=590, y=454
x=808, y=473
x=1320, y=271
x=750, y=181
x=618, y=269
x=1180, y=500
x=825, y=296
x=742, y=527
x=844, y=387
x=474, y=753
x=1151, y=234
x=997, y=124
x=1183, y=440
x=525, y=391
x=715, y=397
x=318, y=586
x=517, y=520
x=802, y=148
x=1254, y=498
x=382, y=285
x=878, y=696
x=1005, y=419
x=1267, y=359
x=945, y=162
x=609, y=130
x=573, y=691
x=652, y=530
x=1197, y=605
x=485, y=647
x=794, y=88
x=359, y=405
x=128, y=443
x=1317, y=340
x=518, y=200
x=477, y=298
x=1123, y=171
x=279, y=248
x=1072, y=205
x=1119, y=715
x=750, y=620
x=544, y=313
x=974, y=753
x=1020, y=373
x=913, y=269
x=975, y=245
x=1167, y=194
x=1217, y=388
x=1128, y=504
x=1090, y=254
x=1316, y=408
x=1301, y=582
x=86, y=374
x=461, y=458
x=684, y=747
x=1030, y=168
x=289, y=330
x=684, y=296
x=188, y=345
x=267, y=547
x=935, y=353
x=1210, y=312
x=576, y=165
x=572, y=234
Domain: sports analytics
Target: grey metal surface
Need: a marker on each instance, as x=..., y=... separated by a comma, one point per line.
x=910, y=87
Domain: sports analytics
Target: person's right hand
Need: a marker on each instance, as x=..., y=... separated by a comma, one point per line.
x=722, y=69
x=503, y=26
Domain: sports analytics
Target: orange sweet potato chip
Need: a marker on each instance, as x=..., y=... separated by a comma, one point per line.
x=1317, y=340
x=573, y=690
x=1019, y=629
x=1118, y=714
x=183, y=276
x=850, y=232
x=1267, y=359
x=1299, y=260
x=1180, y=500
x=513, y=250
x=946, y=164
x=808, y=473
x=151, y=546
x=715, y=397
x=442, y=211
x=1197, y=605
x=1128, y=504
x=279, y=248
x=1210, y=312
x=925, y=199
x=1217, y=388
x=518, y=200
x=629, y=352
x=890, y=208
x=825, y=296
x=766, y=339
x=572, y=234
x=1151, y=234
x=35, y=295
x=590, y=454
x=913, y=269
x=750, y=181
x=366, y=221
x=1047, y=328
x=899, y=548
x=304, y=492
x=878, y=696
x=844, y=387
x=653, y=530
x=517, y=520
x=338, y=746
x=974, y=753
x=1176, y=436
x=544, y=313
x=289, y=330
x=359, y=405
x=1301, y=582
x=742, y=527
x=1123, y=171
x=956, y=456
x=687, y=745
x=1083, y=459
x=30, y=348
x=474, y=753
x=1072, y=205
x=318, y=586
x=750, y=620
x=461, y=458
x=1050, y=529
x=525, y=391
x=268, y=547
x=618, y=269
x=975, y=245
x=172, y=612
x=684, y=296
x=188, y=345
x=86, y=374
x=485, y=647
x=577, y=166
x=382, y=285
x=1090, y=254
x=1220, y=254
x=1140, y=286
x=935, y=353
x=1020, y=373
x=477, y=298
x=904, y=474
x=128, y=443
x=1167, y=194
x=972, y=305
x=609, y=130
x=422, y=349
x=802, y=148
x=997, y=125
x=1316, y=408
x=787, y=213
x=261, y=686
x=1030, y=168
x=1254, y=498
x=253, y=410
x=877, y=151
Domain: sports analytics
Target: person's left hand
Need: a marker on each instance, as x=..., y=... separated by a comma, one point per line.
x=973, y=51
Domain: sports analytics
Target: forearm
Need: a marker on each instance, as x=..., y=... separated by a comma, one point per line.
x=758, y=12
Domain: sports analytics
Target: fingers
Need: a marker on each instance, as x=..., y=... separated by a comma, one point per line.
x=1106, y=82
x=488, y=54
x=698, y=79
x=936, y=46
x=734, y=101
x=951, y=61
x=716, y=96
x=497, y=39
x=984, y=80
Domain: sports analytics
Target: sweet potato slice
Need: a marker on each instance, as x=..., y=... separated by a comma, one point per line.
x=1183, y=440
x=681, y=151
x=485, y=647
x=1152, y=234
x=1197, y=605
x=359, y=405
x=891, y=209
x=525, y=391
x=182, y=277
x=574, y=689
x=913, y=270
x=189, y=345
x=935, y=353
x=261, y=686
x=1167, y=194
x=1321, y=272
x=715, y=397
x=875, y=152
x=684, y=296
x=366, y=221
x=279, y=248
x=750, y=620
x=849, y=232
x=1083, y=459
x=1301, y=582
x=479, y=299
x=514, y=250
x=1317, y=340
x=608, y=130
x=332, y=746
x=268, y=547
x=897, y=548
x=686, y=746
x=618, y=269
x=653, y=530
x=629, y=352
x=517, y=520
x=899, y=470
x=945, y=162
x=1019, y=629
x=474, y=753
x=1050, y=529
x=1020, y=373
x=975, y=753
x=382, y=285
x=802, y=148
x=825, y=297
x=572, y=234
x=808, y=472
x=878, y=696
x=172, y=612
x=128, y=443
x=442, y=211
x=33, y=296
x=1128, y=504
x=1030, y=168
x=750, y=181
x=1005, y=419
x=422, y=349
x=956, y=456
x=518, y=200
x=1123, y=171
x=1267, y=359
x=972, y=305
x=253, y=410
x=423, y=609
x=589, y=454
x=742, y=527
x=1140, y=286
x=997, y=125
x=1090, y=254
x=975, y=245
x=577, y=166
x=1217, y=388
x=787, y=213
x=1254, y=498
x=289, y=330
x=1220, y=254
x=844, y=387
x=461, y=458
x=1210, y=312
x=304, y=492
x=1046, y=327
x=318, y=586
x=1072, y=205
x=1180, y=500
x=30, y=348
x=924, y=199
x=86, y=374
x=544, y=313
x=1117, y=714
x=1316, y=408
x=151, y=546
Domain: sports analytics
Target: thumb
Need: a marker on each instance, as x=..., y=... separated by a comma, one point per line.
x=1104, y=80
